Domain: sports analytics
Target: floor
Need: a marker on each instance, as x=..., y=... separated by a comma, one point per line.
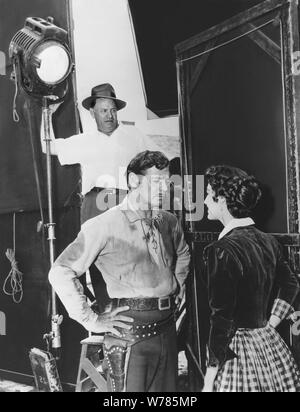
x=9, y=386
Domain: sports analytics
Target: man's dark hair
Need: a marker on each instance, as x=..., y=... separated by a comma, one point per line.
x=144, y=161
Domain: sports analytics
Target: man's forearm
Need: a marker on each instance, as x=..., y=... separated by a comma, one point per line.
x=183, y=260
x=70, y=291
x=183, y=266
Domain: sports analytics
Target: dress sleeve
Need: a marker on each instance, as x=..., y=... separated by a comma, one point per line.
x=223, y=277
x=288, y=288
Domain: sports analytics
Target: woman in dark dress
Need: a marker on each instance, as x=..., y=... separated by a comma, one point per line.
x=246, y=353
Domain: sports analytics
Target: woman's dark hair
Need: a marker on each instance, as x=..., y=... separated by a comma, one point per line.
x=241, y=191
x=145, y=160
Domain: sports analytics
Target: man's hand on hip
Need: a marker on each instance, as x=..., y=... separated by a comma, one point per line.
x=107, y=322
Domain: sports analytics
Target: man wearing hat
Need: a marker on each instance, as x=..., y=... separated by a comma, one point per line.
x=141, y=251
x=103, y=153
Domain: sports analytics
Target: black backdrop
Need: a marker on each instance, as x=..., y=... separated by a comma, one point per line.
x=237, y=118
x=28, y=321
x=234, y=114
x=17, y=184
x=159, y=25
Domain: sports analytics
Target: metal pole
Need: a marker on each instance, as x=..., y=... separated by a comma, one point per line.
x=56, y=319
x=186, y=167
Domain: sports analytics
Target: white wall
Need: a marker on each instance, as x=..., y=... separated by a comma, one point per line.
x=105, y=52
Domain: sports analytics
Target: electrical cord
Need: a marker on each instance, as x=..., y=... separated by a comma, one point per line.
x=16, y=116
x=13, y=284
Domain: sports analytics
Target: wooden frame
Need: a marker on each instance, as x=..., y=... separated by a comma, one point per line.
x=284, y=13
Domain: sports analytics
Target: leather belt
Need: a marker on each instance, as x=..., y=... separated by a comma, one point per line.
x=140, y=304
x=117, y=349
x=140, y=332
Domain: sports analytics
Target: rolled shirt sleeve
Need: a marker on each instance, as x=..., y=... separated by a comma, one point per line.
x=70, y=265
x=182, y=268
x=71, y=150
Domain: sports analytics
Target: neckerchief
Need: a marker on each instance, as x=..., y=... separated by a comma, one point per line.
x=152, y=223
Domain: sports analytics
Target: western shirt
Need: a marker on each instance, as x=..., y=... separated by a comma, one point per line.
x=134, y=261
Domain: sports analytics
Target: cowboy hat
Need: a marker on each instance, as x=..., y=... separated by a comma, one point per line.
x=105, y=91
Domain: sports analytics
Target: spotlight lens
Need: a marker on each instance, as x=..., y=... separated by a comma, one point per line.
x=54, y=63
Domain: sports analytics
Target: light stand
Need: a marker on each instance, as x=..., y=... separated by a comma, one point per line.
x=56, y=319
x=42, y=64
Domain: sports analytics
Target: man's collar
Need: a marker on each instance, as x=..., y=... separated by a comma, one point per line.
x=234, y=223
x=128, y=210
x=132, y=214
x=118, y=128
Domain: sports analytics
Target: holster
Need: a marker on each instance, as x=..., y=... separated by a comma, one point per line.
x=117, y=350
x=116, y=353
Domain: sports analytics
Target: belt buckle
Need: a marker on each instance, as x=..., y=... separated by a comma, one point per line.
x=164, y=303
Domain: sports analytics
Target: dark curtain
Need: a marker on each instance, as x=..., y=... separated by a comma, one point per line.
x=159, y=26
x=28, y=321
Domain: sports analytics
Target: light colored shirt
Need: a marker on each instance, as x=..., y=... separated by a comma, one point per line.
x=103, y=159
x=131, y=266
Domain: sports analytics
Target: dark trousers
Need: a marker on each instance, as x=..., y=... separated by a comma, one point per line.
x=153, y=363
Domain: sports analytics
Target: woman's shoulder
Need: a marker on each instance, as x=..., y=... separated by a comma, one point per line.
x=222, y=254
x=253, y=233
x=219, y=248
x=239, y=241
x=241, y=235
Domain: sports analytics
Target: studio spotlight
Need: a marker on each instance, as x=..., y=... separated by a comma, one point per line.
x=41, y=56
x=42, y=64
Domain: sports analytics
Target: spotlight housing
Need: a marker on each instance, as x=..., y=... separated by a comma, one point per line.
x=41, y=56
